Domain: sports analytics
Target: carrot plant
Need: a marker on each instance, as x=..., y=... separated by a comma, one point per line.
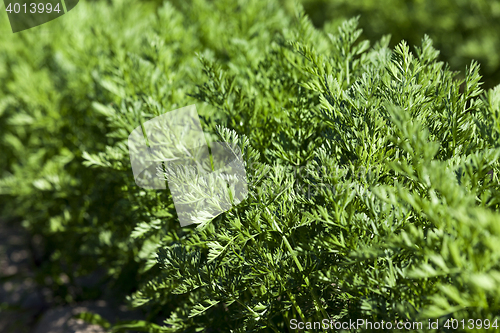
x=372, y=171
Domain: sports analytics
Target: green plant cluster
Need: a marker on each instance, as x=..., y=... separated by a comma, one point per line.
x=462, y=30
x=51, y=78
x=373, y=172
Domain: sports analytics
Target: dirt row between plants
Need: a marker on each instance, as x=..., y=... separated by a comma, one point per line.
x=25, y=306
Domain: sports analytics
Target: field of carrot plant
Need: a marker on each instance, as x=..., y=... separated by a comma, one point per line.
x=372, y=163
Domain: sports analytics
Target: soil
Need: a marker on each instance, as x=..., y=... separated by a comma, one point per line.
x=26, y=307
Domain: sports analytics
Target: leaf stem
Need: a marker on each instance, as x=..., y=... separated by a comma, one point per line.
x=317, y=303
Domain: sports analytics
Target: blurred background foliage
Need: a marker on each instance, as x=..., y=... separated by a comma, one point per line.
x=461, y=30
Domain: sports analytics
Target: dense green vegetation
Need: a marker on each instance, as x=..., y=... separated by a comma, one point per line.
x=373, y=170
